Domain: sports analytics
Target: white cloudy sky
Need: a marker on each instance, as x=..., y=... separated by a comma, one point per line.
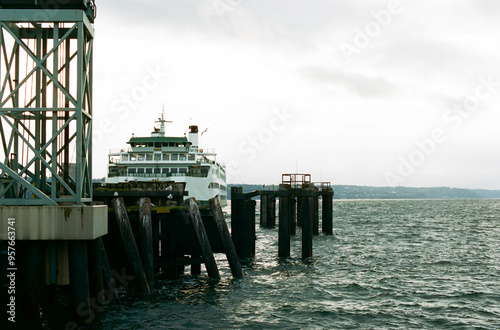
x=340, y=89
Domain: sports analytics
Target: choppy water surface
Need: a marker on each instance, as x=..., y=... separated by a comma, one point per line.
x=389, y=264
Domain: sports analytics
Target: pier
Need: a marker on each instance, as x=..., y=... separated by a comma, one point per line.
x=58, y=229
x=298, y=205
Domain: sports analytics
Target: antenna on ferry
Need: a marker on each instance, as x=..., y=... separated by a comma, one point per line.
x=162, y=120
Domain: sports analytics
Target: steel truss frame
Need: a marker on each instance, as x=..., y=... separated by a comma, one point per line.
x=45, y=57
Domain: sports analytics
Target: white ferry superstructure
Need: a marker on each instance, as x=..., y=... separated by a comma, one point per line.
x=164, y=158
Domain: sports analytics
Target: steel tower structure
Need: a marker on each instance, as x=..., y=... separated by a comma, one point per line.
x=46, y=102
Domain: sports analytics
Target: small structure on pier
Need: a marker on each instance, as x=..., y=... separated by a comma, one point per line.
x=298, y=205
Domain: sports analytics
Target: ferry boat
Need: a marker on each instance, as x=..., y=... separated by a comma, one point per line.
x=164, y=158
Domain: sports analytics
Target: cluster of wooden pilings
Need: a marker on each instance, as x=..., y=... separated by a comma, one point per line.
x=168, y=239
x=298, y=206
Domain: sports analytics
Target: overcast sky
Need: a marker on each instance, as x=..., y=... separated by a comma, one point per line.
x=353, y=92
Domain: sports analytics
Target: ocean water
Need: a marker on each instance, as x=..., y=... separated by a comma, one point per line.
x=422, y=264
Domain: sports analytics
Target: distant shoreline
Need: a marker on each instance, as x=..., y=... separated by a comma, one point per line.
x=369, y=192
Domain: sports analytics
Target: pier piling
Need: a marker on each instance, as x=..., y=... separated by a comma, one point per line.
x=307, y=211
x=294, y=216
x=195, y=266
x=242, y=223
x=206, y=249
x=315, y=214
x=146, y=239
x=129, y=243
x=267, y=209
x=285, y=220
x=327, y=210
x=33, y=286
x=108, y=278
x=95, y=270
x=231, y=254
x=79, y=280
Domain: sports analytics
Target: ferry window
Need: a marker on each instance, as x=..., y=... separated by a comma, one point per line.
x=173, y=170
x=140, y=157
x=183, y=170
x=191, y=157
x=149, y=170
x=140, y=170
x=150, y=144
x=182, y=157
x=156, y=170
x=175, y=157
x=166, y=157
x=124, y=157
x=131, y=170
x=133, y=157
x=157, y=157
x=149, y=156
x=164, y=170
x=171, y=144
x=157, y=144
x=204, y=170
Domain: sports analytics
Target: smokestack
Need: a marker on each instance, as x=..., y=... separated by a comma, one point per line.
x=193, y=136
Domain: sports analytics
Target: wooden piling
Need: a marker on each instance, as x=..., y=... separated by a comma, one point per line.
x=146, y=239
x=307, y=219
x=327, y=209
x=108, y=278
x=79, y=280
x=242, y=223
x=206, y=249
x=315, y=213
x=267, y=209
x=129, y=242
x=232, y=257
x=284, y=220
x=300, y=200
x=164, y=244
x=156, y=242
x=195, y=266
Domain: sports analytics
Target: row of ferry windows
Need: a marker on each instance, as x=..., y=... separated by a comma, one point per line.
x=158, y=144
x=215, y=185
x=158, y=157
x=156, y=170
